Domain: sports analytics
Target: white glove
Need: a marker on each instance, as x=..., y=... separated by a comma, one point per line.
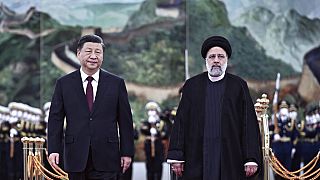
x=276, y=137
x=152, y=119
x=13, y=132
x=153, y=131
x=292, y=152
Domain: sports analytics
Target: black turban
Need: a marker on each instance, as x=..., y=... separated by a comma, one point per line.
x=216, y=41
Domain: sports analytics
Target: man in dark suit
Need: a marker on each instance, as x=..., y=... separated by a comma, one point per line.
x=94, y=103
x=216, y=132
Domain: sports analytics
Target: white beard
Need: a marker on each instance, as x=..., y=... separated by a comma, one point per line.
x=216, y=71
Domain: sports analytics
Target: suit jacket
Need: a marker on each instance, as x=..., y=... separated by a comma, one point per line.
x=240, y=137
x=98, y=129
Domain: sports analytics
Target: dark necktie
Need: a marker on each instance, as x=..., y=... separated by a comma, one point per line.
x=89, y=92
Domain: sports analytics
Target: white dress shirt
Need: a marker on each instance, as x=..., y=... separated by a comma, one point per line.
x=94, y=82
x=214, y=79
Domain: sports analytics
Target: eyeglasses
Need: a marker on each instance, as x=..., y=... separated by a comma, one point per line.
x=212, y=57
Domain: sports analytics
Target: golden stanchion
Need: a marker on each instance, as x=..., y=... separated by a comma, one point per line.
x=283, y=172
x=30, y=162
x=261, y=109
x=38, y=154
x=25, y=142
x=269, y=159
x=33, y=168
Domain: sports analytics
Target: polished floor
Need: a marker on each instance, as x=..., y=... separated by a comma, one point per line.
x=139, y=171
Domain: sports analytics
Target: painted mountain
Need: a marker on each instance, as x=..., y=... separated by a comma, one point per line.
x=148, y=48
x=288, y=36
x=249, y=58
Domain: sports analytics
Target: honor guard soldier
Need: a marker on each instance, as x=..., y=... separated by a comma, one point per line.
x=38, y=128
x=34, y=116
x=283, y=134
x=309, y=141
x=42, y=126
x=4, y=141
x=128, y=174
x=19, y=113
x=153, y=129
x=318, y=131
x=296, y=156
x=167, y=116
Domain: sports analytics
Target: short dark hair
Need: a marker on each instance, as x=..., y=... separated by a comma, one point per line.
x=90, y=38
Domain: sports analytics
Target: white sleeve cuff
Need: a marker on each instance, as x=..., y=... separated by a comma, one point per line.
x=251, y=164
x=171, y=161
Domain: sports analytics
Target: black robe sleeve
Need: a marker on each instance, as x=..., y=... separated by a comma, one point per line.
x=251, y=138
x=176, y=147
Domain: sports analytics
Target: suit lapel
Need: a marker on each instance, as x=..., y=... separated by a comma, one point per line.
x=78, y=84
x=104, y=85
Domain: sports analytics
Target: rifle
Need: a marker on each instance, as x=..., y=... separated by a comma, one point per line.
x=153, y=138
x=275, y=104
x=153, y=133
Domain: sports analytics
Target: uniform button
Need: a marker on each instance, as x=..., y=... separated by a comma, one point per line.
x=90, y=119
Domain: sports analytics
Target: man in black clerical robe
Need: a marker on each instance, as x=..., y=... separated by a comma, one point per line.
x=216, y=132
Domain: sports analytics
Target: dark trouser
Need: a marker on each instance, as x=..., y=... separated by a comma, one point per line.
x=4, y=158
x=15, y=164
x=154, y=169
x=282, y=151
x=154, y=164
x=91, y=174
x=296, y=160
x=309, y=151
